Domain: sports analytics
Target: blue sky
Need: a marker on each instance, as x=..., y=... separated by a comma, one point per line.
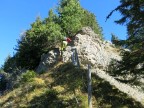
x=17, y=15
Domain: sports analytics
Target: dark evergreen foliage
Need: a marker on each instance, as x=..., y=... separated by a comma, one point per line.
x=89, y=19
x=43, y=36
x=70, y=13
x=73, y=17
x=9, y=64
x=31, y=46
x=114, y=39
x=3, y=81
x=133, y=16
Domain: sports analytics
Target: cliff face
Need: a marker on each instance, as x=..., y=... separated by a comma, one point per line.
x=91, y=49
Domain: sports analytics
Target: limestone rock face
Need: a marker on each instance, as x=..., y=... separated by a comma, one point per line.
x=90, y=48
x=48, y=60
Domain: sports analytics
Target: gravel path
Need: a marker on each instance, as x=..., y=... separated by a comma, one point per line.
x=131, y=92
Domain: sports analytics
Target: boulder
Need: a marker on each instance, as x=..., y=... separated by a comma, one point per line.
x=48, y=60
x=93, y=50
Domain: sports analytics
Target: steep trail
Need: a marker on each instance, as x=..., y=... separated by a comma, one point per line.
x=125, y=88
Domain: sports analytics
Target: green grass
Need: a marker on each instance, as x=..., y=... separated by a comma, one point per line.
x=108, y=96
x=65, y=86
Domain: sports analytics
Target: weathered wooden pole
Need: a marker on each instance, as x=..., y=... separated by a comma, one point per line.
x=89, y=88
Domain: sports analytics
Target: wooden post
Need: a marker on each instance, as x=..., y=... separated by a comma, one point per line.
x=89, y=88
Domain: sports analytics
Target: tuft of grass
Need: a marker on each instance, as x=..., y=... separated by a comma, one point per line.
x=38, y=82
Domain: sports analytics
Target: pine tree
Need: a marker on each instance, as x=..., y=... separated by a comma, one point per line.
x=133, y=16
x=3, y=82
x=9, y=64
x=27, y=50
x=89, y=19
x=73, y=17
x=39, y=39
x=70, y=13
x=115, y=40
x=53, y=29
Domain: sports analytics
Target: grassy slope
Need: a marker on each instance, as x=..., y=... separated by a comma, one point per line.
x=65, y=87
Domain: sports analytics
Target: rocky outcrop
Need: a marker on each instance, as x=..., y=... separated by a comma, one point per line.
x=91, y=49
x=48, y=60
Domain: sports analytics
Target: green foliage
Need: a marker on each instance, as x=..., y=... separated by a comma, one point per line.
x=53, y=29
x=70, y=13
x=9, y=64
x=89, y=19
x=31, y=45
x=3, y=83
x=114, y=38
x=43, y=36
x=28, y=76
x=133, y=16
x=73, y=17
x=3, y=80
x=116, y=41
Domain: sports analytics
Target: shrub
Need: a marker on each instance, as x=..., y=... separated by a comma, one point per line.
x=28, y=76
x=38, y=82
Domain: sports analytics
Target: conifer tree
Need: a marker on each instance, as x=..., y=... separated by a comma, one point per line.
x=27, y=49
x=9, y=64
x=39, y=39
x=70, y=13
x=53, y=29
x=133, y=16
x=73, y=17
x=115, y=40
x=89, y=19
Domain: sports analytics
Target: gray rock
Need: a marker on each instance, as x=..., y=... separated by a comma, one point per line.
x=93, y=50
x=90, y=48
x=48, y=60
